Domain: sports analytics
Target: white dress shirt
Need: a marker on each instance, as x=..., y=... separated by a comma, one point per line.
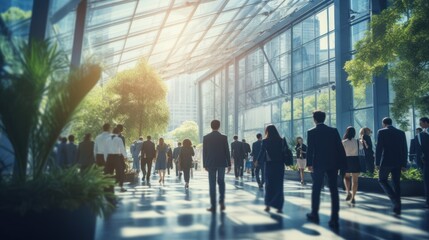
x=100, y=143
x=115, y=145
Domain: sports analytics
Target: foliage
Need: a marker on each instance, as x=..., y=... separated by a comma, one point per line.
x=397, y=44
x=134, y=97
x=63, y=189
x=14, y=14
x=189, y=130
x=411, y=174
x=37, y=100
x=39, y=95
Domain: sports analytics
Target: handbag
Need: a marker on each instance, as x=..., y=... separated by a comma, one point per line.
x=287, y=153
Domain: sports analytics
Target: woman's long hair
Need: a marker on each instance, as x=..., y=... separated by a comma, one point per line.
x=187, y=143
x=161, y=142
x=350, y=133
x=272, y=133
x=299, y=138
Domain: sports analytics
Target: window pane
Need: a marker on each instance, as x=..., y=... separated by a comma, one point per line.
x=358, y=32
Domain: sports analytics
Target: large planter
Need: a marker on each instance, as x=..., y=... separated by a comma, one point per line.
x=50, y=224
x=294, y=176
x=408, y=188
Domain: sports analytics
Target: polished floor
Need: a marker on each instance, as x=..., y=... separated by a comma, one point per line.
x=171, y=212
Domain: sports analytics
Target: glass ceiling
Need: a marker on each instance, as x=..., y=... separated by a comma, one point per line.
x=177, y=36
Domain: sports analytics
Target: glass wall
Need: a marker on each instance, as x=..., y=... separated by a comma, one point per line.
x=280, y=83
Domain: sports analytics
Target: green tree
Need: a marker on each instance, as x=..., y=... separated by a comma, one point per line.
x=15, y=14
x=135, y=98
x=188, y=129
x=397, y=46
x=140, y=95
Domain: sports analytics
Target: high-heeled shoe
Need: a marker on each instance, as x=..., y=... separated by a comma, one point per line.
x=160, y=181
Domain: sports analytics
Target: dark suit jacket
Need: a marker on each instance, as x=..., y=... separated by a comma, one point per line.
x=237, y=150
x=391, y=149
x=415, y=150
x=216, y=151
x=424, y=147
x=85, y=153
x=325, y=150
x=256, y=149
x=247, y=149
x=148, y=148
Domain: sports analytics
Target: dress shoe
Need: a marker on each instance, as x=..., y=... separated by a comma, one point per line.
x=334, y=224
x=279, y=211
x=312, y=218
x=267, y=209
x=212, y=209
x=353, y=201
x=123, y=190
x=222, y=207
x=142, y=179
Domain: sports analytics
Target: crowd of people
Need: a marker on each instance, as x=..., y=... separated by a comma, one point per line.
x=325, y=155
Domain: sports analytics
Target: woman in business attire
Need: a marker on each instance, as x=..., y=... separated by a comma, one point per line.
x=351, y=147
x=365, y=138
x=185, y=160
x=161, y=159
x=85, y=152
x=301, y=157
x=274, y=168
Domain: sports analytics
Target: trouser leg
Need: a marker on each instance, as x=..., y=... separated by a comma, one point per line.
x=333, y=188
x=221, y=183
x=315, y=194
x=212, y=187
x=383, y=180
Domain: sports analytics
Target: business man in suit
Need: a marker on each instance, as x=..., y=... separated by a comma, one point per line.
x=238, y=153
x=176, y=153
x=391, y=157
x=259, y=163
x=215, y=159
x=422, y=140
x=325, y=156
x=415, y=150
x=147, y=155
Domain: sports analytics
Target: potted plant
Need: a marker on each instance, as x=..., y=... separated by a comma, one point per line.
x=38, y=97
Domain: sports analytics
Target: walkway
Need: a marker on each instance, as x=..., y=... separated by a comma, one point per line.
x=170, y=212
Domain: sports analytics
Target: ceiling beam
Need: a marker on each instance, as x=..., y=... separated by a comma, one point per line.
x=128, y=32
x=183, y=30
x=161, y=28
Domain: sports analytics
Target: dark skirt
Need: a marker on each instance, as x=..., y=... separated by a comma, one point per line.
x=353, y=165
x=274, y=178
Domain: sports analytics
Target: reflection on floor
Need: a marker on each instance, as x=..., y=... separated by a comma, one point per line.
x=171, y=212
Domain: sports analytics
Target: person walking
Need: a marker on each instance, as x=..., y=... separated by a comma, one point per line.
x=247, y=151
x=100, y=151
x=422, y=139
x=61, y=154
x=169, y=159
x=216, y=158
x=136, y=154
x=301, y=157
x=416, y=150
x=85, y=152
x=365, y=139
x=325, y=156
x=71, y=152
x=116, y=155
x=259, y=163
x=352, y=147
x=272, y=148
x=238, y=153
x=161, y=159
x=391, y=158
x=148, y=154
x=176, y=153
x=185, y=158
